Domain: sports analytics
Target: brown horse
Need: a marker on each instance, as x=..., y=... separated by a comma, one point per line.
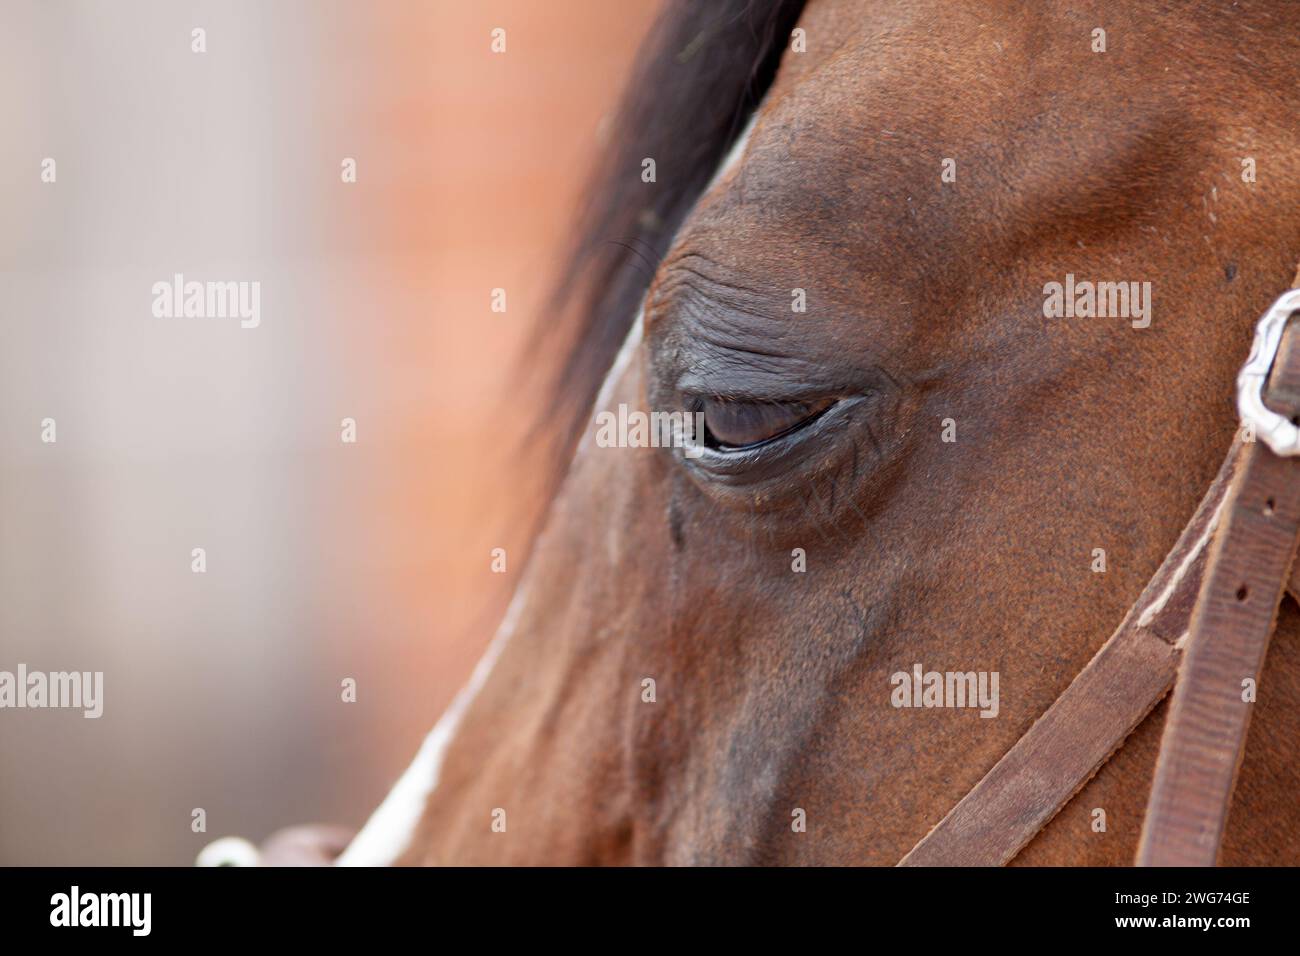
x=926, y=464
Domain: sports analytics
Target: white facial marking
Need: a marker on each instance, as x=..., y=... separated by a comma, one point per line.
x=388, y=832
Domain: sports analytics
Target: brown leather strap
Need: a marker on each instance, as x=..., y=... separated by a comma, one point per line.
x=1250, y=564
x=1089, y=721
x=1205, y=734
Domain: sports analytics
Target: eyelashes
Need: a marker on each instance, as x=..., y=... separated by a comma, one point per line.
x=740, y=425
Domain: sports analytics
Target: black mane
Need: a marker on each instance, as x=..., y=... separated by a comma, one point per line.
x=700, y=74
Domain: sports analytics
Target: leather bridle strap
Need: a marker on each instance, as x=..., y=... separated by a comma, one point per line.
x=1205, y=732
x=1135, y=668
x=1069, y=743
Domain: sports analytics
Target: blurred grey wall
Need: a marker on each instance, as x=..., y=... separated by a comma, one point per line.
x=325, y=560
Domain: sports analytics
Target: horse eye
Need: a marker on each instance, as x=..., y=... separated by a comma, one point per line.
x=735, y=424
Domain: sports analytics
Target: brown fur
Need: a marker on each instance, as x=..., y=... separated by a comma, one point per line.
x=924, y=298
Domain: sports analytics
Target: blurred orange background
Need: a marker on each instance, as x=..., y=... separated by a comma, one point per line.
x=325, y=560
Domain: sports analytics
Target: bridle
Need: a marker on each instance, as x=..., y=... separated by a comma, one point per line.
x=1202, y=622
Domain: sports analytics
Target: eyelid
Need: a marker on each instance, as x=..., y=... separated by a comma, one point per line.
x=734, y=386
x=733, y=427
x=780, y=464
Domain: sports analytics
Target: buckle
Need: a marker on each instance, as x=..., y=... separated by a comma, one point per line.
x=1277, y=431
